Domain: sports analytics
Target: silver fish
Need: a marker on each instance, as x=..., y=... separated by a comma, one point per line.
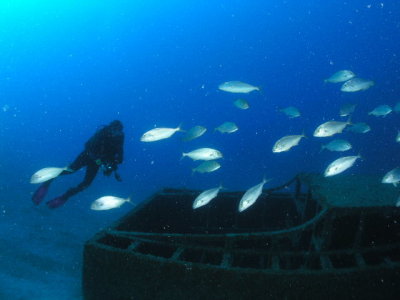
x=241, y=103
x=227, y=127
x=381, y=111
x=359, y=127
x=287, y=142
x=203, y=154
x=251, y=196
x=291, y=112
x=207, y=167
x=237, y=87
x=392, y=177
x=340, y=165
x=46, y=174
x=157, y=134
x=337, y=145
x=205, y=197
x=347, y=109
x=356, y=84
x=194, y=133
x=340, y=76
x=330, y=128
x=108, y=202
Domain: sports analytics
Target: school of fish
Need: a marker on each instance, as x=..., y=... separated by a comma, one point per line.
x=350, y=83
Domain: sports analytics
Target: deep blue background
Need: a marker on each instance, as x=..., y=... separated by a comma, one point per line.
x=68, y=67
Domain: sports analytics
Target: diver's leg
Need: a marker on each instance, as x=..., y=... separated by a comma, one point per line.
x=91, y=172
x=79, y=162
x=41, y=192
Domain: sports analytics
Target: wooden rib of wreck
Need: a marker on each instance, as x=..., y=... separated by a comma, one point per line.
x=311, y=238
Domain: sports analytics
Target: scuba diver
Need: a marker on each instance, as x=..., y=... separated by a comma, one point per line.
x=104, y=150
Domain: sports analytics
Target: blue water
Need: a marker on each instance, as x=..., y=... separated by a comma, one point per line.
x=68, y=67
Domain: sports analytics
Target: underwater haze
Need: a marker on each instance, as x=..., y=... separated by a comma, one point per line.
x=69, y=67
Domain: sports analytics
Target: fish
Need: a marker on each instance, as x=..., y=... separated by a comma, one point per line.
x=330, y=128
x=381, y=111
x=286, y=143
x=398, y=136
x=203, y=154
x=397, y=107
x=347, y=109
x=237, y=87
x=356, y=84
x=359, y=127
x=108, y=202
x=241, y=103
x=227, y=127
x=340, y=76
x=205, y=197
x=291, y=112
x=207, y=167
x=46, y=174
x=340, y=165
x=157, y=134
x=337, y=145
x=194, y=133
x=393, y=177
x=5, y=107
x=251, y=195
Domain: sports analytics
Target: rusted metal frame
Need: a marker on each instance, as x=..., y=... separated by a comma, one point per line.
x=327, y=231
x=238, y=236
x=274, y=255
x=176, y=255
x=134, y=245
x=360, y=231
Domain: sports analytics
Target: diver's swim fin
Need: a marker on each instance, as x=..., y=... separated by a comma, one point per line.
x=41, y=192
x=57, y=202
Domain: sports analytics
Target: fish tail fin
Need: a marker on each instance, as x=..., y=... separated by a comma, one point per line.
x=68, y=169
x=179, y=128
x=348, y=122
x=258, y=89
x=183, y=155
x=265, y=179
x=303, y=134
x=129, y=199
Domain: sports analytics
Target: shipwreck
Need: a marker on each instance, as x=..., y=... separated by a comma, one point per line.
x=311, y=238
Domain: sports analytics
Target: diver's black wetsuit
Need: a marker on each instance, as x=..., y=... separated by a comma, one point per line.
x=104, y=149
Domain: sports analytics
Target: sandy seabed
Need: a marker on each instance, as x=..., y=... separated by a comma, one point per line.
x=41, y=250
